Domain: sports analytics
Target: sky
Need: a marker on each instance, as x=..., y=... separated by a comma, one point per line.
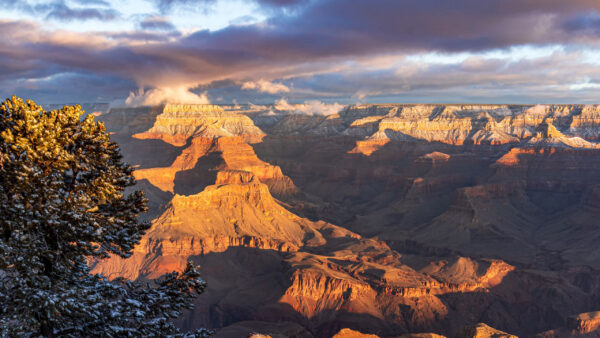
x=318, y=52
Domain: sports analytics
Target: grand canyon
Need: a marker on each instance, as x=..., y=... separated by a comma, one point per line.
x=300, y=168
x=382, y=219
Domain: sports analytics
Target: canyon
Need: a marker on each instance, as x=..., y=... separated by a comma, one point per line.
x=383, y=219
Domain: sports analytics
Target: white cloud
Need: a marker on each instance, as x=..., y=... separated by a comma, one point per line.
x=311, y=107
x=587, y=84
x=157, y=96
x=264, y=86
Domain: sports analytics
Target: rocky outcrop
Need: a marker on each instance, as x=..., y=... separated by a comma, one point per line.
x=377, y=125
x=177, y=123
x=452, y=214
x=548, y=135
x=582, y=325
x=193, y=143
x=238, y=211
x=482, y=330
x=192, y=169
x=584, y=322
x=434, y=158
x=347, y=333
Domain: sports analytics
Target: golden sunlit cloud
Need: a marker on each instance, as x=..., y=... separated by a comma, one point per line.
x=164, y=95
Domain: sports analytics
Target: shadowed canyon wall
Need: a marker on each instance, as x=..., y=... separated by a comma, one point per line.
x=384, y=219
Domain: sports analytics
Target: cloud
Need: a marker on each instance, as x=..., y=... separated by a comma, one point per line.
x=264, y=86
x=589, y=22
x=157, y=22
x=563, y=76
x=93, y=2
x=168, y=5
x=59, y=10
x=320, y=45
x=82, y=88
x=64, y=13
x=165, y=6
x=157, y=96
x=310, y=107
x=243, y=20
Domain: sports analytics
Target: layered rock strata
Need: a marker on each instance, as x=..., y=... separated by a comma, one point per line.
x=447, y=215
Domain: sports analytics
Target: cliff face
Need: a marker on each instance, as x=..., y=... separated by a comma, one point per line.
x=177, y=123
x=482, y=330
x=454, y=124
x=584, y=322
x=191, y=170
x=383, y=219
x=238, y=211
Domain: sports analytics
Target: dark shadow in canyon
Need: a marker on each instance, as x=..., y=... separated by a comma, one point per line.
x=355, y=184
x=391, y=193
x=523, y=305
x=246, y=284
x=136, y=151
x=157, y=199
x=204, y=173
x=257, y=279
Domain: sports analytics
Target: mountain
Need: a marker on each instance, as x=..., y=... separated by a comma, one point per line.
x=381, y=219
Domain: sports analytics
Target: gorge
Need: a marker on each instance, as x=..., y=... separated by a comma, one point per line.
x=386, y=219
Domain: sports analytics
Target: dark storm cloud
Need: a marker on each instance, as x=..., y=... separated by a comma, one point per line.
x=315, y=38
x=589, y=22
x=349, y=28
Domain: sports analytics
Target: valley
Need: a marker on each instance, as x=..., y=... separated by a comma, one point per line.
x=384, y=219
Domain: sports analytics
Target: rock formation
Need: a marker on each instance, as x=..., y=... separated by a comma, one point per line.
x=347, y=333
x=584, y=322
x=482, y=330
x=382, y=220
x=177, y=123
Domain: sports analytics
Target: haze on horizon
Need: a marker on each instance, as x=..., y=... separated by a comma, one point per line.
x=301, y=51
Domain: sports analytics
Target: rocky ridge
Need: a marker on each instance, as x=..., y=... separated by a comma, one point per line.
x=462, y=199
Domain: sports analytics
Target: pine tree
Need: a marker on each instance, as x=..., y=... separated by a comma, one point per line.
x=63, y=202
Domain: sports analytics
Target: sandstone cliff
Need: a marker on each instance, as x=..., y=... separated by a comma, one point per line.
x=446, y=215
x=482, y=330
x=454, y=124
x=177, y=123
x=584, y=322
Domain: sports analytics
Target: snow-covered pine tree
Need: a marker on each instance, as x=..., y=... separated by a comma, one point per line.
x=62, y=201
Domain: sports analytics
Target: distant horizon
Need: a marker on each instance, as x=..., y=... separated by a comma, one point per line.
x=347, y=104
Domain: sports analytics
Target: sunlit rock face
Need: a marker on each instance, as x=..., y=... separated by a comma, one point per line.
x=380, y=220
x=481, y=330
x=178, y=122
x=584, y=322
